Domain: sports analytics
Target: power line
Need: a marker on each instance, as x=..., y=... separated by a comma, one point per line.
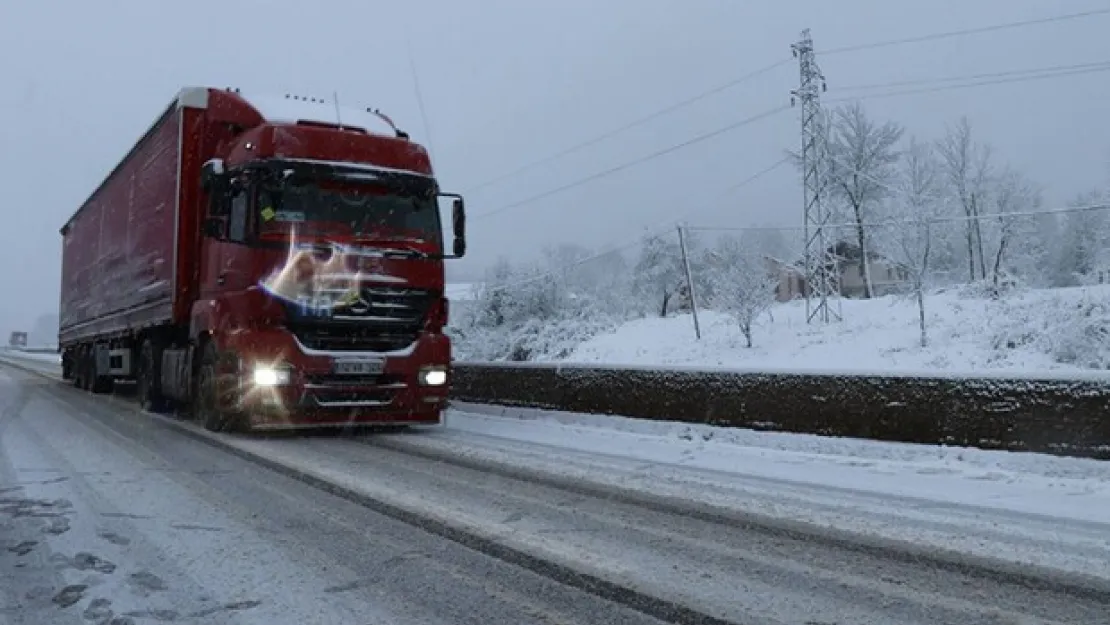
x=912, y=222
x=969, y=85
x=763, y=70
x=643, y=159
x=1100, y=65
x=630, y=125
x=657, y=230
x=963, y=32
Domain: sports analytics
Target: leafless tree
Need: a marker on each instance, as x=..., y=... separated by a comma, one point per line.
x=863, y=159
x=967, y=169
x=915, y=206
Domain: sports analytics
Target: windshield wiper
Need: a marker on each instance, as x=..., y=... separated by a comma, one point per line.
x=405, y=252
x=383, y=248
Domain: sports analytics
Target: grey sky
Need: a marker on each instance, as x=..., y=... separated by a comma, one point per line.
x=509, y=81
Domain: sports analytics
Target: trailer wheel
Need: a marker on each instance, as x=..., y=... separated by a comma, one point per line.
x=84, y=369
x=99, y=384
x=77, y=371
x=149, y=387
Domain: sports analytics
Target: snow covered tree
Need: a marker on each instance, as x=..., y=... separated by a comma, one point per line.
x=915, y=206
x=492, y=297
x=967, y=170
x=658, y=273
x=1012, y=193
x=510, y=297
x=606, y=278
x=1084, y=237
x=767, y=241
x=743, y=286
x=863, y=161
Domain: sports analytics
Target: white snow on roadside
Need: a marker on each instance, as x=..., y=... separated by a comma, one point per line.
x=36, y=356
x=807, y=458
x=1032, y=508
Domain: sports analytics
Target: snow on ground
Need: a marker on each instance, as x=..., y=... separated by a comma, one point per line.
x=1028, y=331
x=38, y=356
x=1024, y=507
x=888, y=468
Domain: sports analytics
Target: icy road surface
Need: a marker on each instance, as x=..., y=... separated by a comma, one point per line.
x=109, y=517
x=221, y=531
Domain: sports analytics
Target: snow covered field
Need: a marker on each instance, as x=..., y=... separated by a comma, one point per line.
x=1029, y=331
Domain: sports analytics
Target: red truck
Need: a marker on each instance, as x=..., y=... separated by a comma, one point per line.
x=264, y=263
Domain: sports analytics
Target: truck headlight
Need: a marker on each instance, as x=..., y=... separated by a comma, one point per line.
x=433, y=376
x=270, y=376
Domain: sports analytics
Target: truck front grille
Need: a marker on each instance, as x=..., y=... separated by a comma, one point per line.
x=391, y=321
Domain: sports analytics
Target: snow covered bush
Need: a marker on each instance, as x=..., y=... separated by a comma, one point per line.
x=1072, y=326
x=526, y=314
x=743, y=286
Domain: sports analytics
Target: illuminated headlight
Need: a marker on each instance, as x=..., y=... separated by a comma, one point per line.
x=270, y=376
x=433, y=376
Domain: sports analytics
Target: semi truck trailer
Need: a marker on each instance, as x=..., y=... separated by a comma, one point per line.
x=260, y=263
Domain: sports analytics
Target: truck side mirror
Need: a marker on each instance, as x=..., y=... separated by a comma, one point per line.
x=458, y=220
x=211, y=174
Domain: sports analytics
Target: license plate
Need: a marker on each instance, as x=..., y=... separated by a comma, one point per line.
x=358, y=367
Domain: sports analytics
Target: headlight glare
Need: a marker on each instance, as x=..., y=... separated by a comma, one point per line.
x=433, y=376
x=270, y=376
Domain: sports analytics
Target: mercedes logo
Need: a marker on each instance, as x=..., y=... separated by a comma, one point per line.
x=359, y=305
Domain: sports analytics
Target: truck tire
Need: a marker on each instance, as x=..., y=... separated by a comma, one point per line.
x=208, y=410
x=77, y=370
x=98, y=384
x=101, y=385
x=84, y=370
x=149, y=379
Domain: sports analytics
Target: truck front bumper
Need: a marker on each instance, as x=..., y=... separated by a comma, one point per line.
x=283, y=385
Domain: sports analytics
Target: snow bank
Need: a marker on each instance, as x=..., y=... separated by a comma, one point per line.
x=1028, y=331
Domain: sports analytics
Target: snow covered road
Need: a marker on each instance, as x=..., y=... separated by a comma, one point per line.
x=105, y=514
x=545, y=493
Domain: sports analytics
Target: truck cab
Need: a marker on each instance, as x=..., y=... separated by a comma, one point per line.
x=319, y=287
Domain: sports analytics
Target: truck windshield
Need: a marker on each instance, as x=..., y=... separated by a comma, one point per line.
x=347, y=211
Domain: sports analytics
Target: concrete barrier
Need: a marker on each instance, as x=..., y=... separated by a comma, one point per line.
x=1047, y=414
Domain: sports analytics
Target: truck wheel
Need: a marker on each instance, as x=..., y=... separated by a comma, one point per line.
x=84, y=370
x=149, y=387
x=100, y=384
x=208, y=409
x=77, y=367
